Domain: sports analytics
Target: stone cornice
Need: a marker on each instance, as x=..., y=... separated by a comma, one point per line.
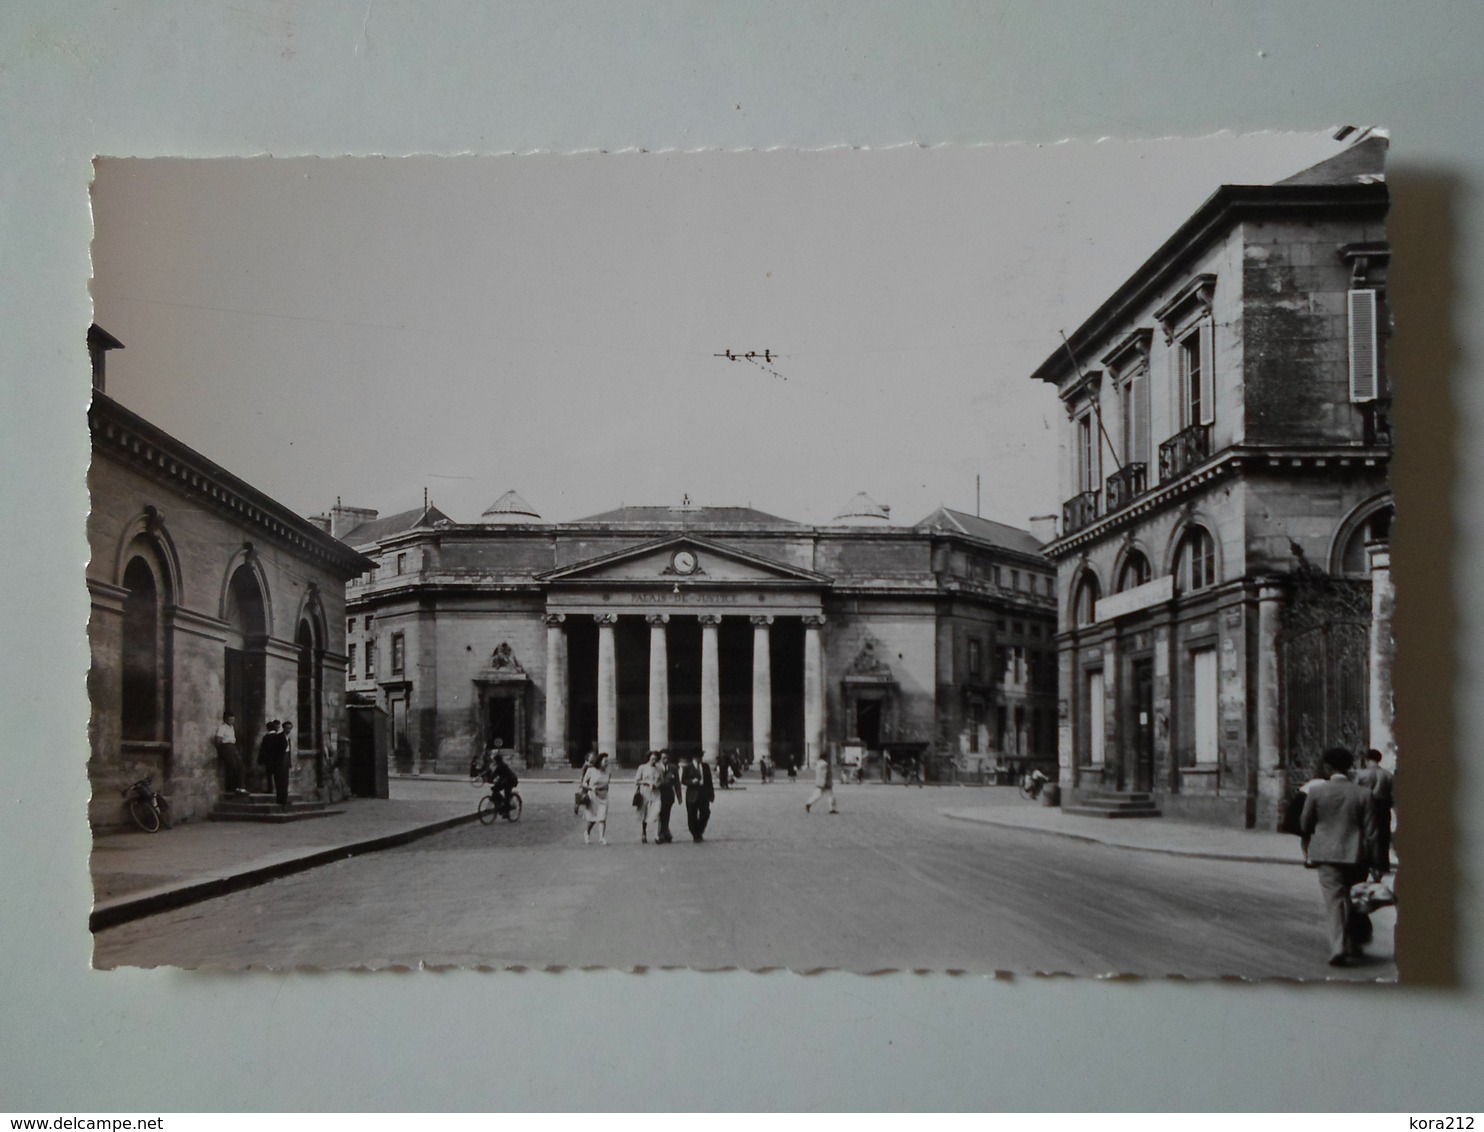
x=132, y=440
x=1222, y=211
x=1221, y=466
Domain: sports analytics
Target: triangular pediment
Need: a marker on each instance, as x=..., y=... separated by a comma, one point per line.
x=684, y=558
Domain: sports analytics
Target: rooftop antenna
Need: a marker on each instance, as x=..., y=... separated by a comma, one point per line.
x=976, y=497
x=425, y=499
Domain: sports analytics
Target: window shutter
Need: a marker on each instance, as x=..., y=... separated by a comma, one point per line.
x=1364, y=376
x=1138, y=448
x=1208, y=374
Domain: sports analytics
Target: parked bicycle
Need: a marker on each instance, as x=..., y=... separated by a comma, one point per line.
x=148, y=807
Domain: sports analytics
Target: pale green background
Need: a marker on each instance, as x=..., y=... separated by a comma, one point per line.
x=290, y=78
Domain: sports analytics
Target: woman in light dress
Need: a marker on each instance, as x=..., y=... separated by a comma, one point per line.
x=595, y=805
x=647, y=782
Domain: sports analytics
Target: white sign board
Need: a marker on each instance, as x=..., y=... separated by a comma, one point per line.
x=1140, y=597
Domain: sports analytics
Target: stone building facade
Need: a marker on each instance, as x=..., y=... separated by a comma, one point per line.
x=206, y=594
x=703, y=629
x=1222, y=568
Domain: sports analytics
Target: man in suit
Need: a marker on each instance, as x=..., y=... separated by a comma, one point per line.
x=1339, y=830
x=1377, y=779
x=699, y=793
x=270, y=752
x=669, y=790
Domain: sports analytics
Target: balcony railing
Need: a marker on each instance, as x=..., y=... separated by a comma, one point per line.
x=1079, y=511
x=1377, y=415
x=1183, y=451
x=1124, y=485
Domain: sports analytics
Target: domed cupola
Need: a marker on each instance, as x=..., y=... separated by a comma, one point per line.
x=510, y=508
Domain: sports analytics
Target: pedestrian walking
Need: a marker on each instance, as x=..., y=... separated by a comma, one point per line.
x=647, y=795
x=824, y=783
x=669, y=791
x=1378, y=780
x=224, y=739
x=270, y=752
x=793, y=769
x=764, y=768
x=1339, y=832
x=699, y=794
x=595, y=780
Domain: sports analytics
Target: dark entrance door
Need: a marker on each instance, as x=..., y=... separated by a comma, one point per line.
x=868, y=723
x=500, y=722
x=1143, y=725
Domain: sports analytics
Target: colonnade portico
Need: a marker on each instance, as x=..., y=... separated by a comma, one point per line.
x=559, y=694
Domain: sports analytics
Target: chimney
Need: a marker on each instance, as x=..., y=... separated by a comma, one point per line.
x=1043, y=528
x=344, y=519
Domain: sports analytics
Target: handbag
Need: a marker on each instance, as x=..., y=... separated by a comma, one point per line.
x=580, y=798
x=638, y=798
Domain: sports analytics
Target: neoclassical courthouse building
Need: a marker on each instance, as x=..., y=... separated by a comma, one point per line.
x=1223, y=573
x=702, y=628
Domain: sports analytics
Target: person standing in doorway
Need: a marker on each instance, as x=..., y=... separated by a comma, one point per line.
x=284, y=764
x=824, y=783
x=224, y=739
x=669, y=791
x=1378, y=780
x=595, y=779
x=269, y=753
x=1339, y=830
x=699, y=794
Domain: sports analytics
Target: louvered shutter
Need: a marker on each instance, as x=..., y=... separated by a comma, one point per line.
x=1364, y=376
x=1208, y=374
x=1138, y=441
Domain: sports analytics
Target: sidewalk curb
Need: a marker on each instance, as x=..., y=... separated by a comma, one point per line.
x=1088, y=838
x=123, y=909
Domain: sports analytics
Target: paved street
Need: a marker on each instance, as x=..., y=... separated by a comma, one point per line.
x=890, y=883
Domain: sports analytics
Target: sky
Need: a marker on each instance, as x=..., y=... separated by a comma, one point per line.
x=364, y=328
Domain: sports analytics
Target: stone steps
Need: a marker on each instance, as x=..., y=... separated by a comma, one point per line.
x=265, y=808
x=1110, y=804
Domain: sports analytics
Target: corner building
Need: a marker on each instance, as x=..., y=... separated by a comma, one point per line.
x=702, y=629
x=1222, y=557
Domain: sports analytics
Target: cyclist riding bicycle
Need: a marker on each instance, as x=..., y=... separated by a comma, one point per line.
x=501, y=779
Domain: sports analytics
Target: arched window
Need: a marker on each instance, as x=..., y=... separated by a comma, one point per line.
x=1085, y=601
x=1195, y=566
x=309, y=670
x=245, y=675
x=142, y=711
x=1136, y=571
x=1376, y=527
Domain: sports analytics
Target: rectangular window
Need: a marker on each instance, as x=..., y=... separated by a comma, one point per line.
x=976, y=723
x=350, y=625
x=1197, y=389
x=1015, y=580
x=370, y=670
x=1136, y=417
x=1019, y=627
x=1095, y=718
x=1204, y=722
x=398, y=653
x=1087, y=454
x=1365, y=376
x=401, y=563
x=350, y=661
x=976, y=656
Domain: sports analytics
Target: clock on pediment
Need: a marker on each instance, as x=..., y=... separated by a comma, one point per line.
x=683, y=562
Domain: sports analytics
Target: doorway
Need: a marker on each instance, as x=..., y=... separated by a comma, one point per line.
x=1143, y=726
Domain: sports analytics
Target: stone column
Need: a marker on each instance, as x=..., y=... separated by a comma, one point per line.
x=1269, y=707
x=556, y=688
x=710, y=688
x=762, y=689
x=607, y=684
x=659, y=683
x=813, y=689
x=1383, y=650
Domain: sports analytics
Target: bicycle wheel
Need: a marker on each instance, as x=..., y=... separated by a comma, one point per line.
x=487, y=809
x=144, y=815
x=512, y=812
x=1026, y=792
x=167, y=815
